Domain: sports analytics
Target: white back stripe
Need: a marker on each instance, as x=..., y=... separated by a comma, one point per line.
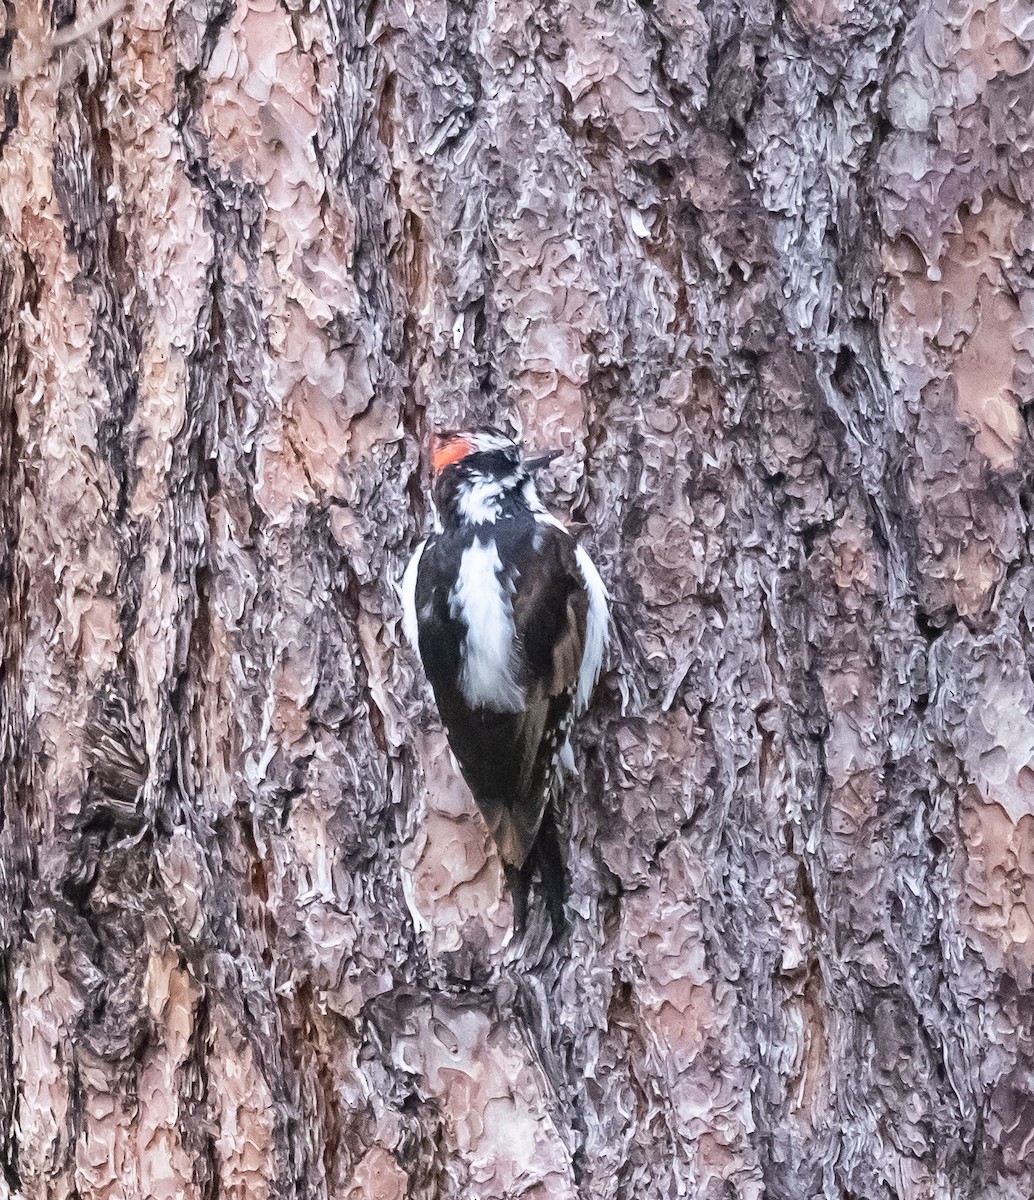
x=597, y=627
x=409, y=622
x=485, y=605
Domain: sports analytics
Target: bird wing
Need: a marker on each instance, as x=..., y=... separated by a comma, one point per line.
x=550, y=609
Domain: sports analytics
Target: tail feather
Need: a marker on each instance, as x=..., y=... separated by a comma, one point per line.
x=518, y=881
x=546, y=858
x=552, y=873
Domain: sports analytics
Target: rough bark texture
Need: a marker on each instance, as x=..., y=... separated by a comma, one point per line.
x=765, y=270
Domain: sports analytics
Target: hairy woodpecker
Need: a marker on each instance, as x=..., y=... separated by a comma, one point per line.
x=509, y=618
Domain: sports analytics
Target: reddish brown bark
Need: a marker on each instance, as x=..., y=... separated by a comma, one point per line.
x=765, y=272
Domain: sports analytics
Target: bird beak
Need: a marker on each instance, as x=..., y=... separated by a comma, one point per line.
x=542, y=460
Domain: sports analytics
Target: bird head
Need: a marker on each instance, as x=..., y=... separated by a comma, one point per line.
x=482, y=476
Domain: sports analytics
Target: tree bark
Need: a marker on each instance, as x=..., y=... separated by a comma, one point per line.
x=764, y=270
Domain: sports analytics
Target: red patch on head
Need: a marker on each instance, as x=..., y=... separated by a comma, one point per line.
x=444, y=454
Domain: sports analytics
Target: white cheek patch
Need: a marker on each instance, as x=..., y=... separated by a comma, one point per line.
x=479, y=501
x=484, y=604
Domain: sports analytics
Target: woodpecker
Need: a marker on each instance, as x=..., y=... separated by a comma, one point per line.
x=509, y=618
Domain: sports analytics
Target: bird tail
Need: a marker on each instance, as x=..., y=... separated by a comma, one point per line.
x=547, y=859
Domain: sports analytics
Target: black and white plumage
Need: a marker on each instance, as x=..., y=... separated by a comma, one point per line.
x=509, y=617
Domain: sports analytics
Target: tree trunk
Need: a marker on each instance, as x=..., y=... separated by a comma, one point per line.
x=764, y=270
